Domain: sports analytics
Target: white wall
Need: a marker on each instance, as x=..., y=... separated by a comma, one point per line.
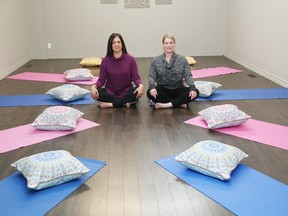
x=15, y=47
x=79, y=28
x=257, y=37
x=37, y=29
x=251, y=32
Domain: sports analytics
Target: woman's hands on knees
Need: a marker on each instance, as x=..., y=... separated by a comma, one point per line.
x=139, y=91
x=153, y=93
x=94, y=92
x=192, y=94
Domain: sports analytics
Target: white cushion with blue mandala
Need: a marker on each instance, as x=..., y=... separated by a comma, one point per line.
x=206, y=88
x=212, y=158
x=78, y=74
x=225, y=115
x=68, y=92
x=50, y=168
x=57, y=118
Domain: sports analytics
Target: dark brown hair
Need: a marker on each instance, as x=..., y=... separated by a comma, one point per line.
x=110, y=42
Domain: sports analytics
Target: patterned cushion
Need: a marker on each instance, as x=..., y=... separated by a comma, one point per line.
x=212, y=158
x=57, y=118
x=91, y=61
x=78, y=74
x=206, y=88
x=226, y=115
x=50, y=168
x=68, y=92
x=191, y=60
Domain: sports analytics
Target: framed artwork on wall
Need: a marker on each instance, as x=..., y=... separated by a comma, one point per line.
x=109, y=1
x=137, y=3
x=163, y=2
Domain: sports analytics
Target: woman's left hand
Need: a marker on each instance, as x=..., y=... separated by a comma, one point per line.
x=139, y=91
x=192, y=94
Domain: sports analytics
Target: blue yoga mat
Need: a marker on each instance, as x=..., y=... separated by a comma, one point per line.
x=39, y=100
x=16, y=199
x=247, y=94
x=248, y=192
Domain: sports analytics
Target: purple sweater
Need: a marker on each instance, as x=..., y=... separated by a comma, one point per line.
x=118, y=74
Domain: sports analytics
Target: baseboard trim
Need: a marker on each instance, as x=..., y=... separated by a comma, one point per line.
x=135, y=54
x=257, y=70
x=14, y=67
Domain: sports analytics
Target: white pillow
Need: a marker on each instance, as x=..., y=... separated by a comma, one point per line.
x=50, y=168
x=212, y=158
x=68, y=92
x=78, y=74
x=206, y=88
x=57, y=118
x=226, y=115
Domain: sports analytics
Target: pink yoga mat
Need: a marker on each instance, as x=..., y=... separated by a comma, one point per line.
x=28, y=135
x=48, y=77
x=206, y=72
x=255, y=130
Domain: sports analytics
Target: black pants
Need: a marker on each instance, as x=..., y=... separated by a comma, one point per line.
x=129, y=97
x=175, y=96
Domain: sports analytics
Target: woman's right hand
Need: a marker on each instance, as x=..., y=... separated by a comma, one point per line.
x=94, y=92
x=153, y=93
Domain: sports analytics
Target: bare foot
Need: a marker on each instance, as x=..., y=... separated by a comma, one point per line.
x=127, y=105
x=104, y=105
x=183, y=106
x=163, y=105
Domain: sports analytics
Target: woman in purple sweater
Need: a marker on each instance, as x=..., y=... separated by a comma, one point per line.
x=118, y=72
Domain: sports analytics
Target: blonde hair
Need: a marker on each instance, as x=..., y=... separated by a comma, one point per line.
x=168, y=35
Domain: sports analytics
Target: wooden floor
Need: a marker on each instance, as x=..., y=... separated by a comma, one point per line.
x=129, y=140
